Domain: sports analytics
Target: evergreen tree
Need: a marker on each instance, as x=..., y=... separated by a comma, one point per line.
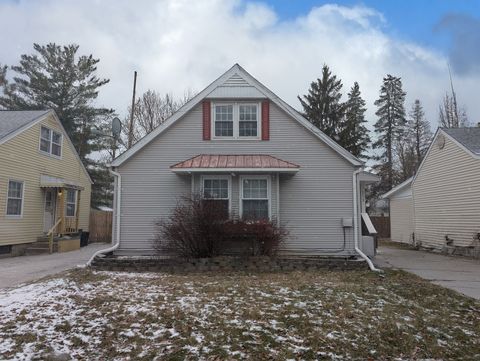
x=322, y=106
x=420, y=129
x=56, y=77
x=354, y=135
x=413, y=144
x=389, y=127
x=3, y=75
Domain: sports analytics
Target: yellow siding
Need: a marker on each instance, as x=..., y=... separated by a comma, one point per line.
x=446, y=196
x=401, y=219
x=21, y=159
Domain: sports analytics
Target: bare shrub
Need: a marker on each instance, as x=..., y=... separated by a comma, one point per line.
x=199, y=228
x=195, y=229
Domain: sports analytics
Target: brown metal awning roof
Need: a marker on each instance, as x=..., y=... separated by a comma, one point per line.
x=235, y=162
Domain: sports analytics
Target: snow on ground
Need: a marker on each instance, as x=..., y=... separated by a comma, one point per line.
x=298, y=315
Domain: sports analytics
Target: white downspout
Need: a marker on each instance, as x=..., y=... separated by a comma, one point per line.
x=355, y=223
x=118, y=202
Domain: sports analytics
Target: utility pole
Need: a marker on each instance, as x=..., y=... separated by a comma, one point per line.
x=130, y=127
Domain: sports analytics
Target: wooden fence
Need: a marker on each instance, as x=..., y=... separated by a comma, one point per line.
x=100, y=226
x=382, y=225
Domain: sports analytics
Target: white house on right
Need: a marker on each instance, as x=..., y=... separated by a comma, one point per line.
x=446, y=193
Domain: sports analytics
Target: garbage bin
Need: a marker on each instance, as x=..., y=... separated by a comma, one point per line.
x=84, y=238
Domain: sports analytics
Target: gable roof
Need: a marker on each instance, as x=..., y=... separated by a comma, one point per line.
x=237, y=76
x=397, y=188
x=468, y=137
x=15, y=122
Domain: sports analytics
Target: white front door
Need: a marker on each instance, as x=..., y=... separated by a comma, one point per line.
x=49, y=209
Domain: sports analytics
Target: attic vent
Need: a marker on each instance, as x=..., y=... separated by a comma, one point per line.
x=235, y=80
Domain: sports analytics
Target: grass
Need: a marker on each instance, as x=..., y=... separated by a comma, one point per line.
x=275, y=316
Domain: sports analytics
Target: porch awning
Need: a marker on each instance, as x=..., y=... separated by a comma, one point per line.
x=47, y=181
x=252, y=163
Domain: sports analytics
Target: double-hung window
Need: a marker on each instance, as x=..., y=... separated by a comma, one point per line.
x=15, y=198
x=217, y=191
x=224, y=120
x=255, y=197
x=236, y=121
x=50, y=142
x=71, y=208
x=248, y=120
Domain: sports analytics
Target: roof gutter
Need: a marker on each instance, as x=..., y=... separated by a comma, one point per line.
x=355, y=222
x=118, y=203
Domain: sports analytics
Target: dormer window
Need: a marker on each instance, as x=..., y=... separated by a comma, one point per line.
x=50, y=142
x=236, y=120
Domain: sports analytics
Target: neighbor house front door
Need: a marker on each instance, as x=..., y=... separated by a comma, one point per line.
x=49, y=209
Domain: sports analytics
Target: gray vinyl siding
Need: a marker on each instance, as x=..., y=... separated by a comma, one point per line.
x=446, y=195
x=401, y=219
x=311, y=203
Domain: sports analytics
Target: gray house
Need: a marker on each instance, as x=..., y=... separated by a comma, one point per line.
x=240, y=144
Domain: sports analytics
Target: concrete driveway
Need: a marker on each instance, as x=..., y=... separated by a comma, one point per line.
x=456, y=273
x=17, y=270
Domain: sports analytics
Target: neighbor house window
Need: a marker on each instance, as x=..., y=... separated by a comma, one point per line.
x=71, y=202
x=236, y=120
x=255, y=198
x=217, y=190
x=50, y=141
x=15, y=198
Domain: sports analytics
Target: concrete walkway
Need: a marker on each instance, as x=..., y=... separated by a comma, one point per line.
x=457, y=273
x=17, y=270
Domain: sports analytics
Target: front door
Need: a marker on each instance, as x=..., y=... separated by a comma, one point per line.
x=49, y=209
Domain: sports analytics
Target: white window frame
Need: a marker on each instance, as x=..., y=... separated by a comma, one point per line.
x=212, y=177
x=22, y=199
x=269, y=192
x=236, y=121
x=50, y=143
x=67, y=203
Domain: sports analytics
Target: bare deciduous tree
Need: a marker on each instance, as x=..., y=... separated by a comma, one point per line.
x=151, y=110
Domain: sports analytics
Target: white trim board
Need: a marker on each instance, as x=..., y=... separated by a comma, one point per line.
x=236, y=69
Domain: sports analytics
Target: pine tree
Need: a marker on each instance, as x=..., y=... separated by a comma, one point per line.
x=389, y=127
x=421, y=131
x=322, y=106
x=354, y=135
x=3, y=75
x=55, y=77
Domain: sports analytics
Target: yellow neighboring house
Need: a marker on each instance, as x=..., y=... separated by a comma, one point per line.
x=43, y=183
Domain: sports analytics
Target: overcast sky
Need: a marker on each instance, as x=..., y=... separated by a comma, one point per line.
x=181, y=45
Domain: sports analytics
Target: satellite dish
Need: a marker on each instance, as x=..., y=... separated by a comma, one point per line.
x=116, y=127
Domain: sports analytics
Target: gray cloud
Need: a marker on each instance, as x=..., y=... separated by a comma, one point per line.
x=464, y=53
x=181, y=44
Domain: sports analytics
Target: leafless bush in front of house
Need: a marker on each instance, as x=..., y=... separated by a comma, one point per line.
x=195, y=229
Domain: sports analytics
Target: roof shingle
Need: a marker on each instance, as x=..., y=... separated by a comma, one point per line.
x=468, y=137
x=12, y=120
